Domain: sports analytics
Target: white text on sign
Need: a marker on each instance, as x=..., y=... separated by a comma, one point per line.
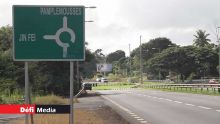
x=27, y=37
x=60, y=11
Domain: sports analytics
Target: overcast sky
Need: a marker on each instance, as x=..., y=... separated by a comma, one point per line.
x=120, y=22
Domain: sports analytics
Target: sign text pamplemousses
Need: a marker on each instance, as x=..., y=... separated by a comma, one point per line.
x=48, y=33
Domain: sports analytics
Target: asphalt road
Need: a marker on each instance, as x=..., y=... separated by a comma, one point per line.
x=158, y=107
x=4, y=118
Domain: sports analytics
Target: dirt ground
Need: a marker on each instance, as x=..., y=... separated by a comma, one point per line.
x=96, y=111
x=104, y=115
x=90, y=109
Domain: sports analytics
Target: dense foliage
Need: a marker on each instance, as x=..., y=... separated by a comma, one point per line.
x=161, y=58
x=44, y=77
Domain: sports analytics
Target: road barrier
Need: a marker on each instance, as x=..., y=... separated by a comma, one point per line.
x=191, y=87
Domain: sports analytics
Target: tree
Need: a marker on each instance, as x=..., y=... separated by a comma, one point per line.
x=100, y=57
x=8, y=72
x=45, y=77
x=185, y=61
x=149, y=50
x=115, y=56
x=6, y=37
x=201, y=39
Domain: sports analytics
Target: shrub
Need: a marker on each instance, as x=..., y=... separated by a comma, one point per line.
x=1, y=100
x=50, y=99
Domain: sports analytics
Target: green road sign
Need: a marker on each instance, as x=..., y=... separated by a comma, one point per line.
x=48, y=33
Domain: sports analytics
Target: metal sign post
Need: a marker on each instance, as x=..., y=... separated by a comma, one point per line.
x=48, y=33
x=71, y=119
x=26, y=89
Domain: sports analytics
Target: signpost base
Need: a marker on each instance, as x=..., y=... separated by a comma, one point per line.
x=71, y=120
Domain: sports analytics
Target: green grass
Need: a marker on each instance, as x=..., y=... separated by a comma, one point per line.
x=111, y=86
x=18, y=99
x=49, y=99
x=11, y=99
x=153, y=83
x=184, y=90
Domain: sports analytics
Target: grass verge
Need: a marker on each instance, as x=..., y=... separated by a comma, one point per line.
x=98, y=115
x=204, y=91
x=50, y=99
x=111, y=86
x=80, y=117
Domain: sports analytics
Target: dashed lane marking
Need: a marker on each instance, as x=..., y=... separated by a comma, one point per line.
x=161, y=98
x=123, y=108
x=177, y=102
x=127, y=110
x=137, y=117
x=131, y=113
x=203, y=107
x=189, y=104
x=143, y=122
x=168, y=100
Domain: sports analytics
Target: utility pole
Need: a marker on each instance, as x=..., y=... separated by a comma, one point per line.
x=141, y=66
x=129, y=63
x=217, y=31
x=78, y=76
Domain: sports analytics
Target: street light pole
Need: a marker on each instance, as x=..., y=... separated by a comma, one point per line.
x=217, y=31
x=141, y=66
x=129, y=80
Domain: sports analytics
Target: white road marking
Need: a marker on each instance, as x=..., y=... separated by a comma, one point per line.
x=143, y=121
x=177, y=102
x=189, y=104
x=131, y=113
x=137, y=117
x=123, y=108
x=218, y=110
x=161, y=98
x=203, y=107
x=169, y=100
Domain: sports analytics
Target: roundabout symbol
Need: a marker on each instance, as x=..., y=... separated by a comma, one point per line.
x=56, y=37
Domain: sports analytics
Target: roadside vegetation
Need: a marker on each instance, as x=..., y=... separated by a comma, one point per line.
x=81, y=116
x=196, y=90
x=161, y=58
x=115, y=85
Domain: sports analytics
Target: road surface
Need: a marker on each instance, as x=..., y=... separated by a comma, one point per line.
x=4, y=118
x=158, y=107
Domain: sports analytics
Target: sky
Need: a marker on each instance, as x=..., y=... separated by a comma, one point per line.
x=118, y=23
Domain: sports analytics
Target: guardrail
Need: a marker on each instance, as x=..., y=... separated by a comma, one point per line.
x=190, y=87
